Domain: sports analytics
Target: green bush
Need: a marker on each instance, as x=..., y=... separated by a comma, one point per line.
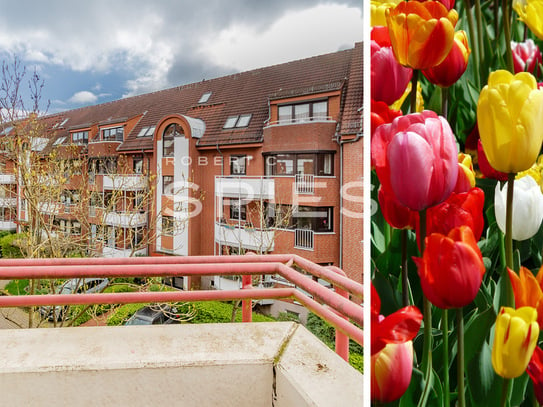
x=7, y=247
x=122, y=313
x=17, y=287
x=356, y=360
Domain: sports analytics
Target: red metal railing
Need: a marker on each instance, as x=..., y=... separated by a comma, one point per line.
x=334, y=306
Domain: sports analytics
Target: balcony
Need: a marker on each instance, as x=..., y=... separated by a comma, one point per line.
x=124, y=253
x=305, y=184
x=251, y=239
x=245, y=187
x=50, y=208
x=303, y=239
x=8, y=202
x=7, y=179
x=126, y=219
x=8, y=225
x=132, y=182
x=248, y=364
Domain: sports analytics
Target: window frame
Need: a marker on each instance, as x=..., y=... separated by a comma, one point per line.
x=239, y=161
x=109, y=130
x=238, y=210
x=168, y=149
x=167, y=225
x=167, y=184
x=312, y=116
x=272, y=160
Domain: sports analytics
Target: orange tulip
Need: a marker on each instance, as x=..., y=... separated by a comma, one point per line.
x=453, y=66
x=528, y=290
x=422, y=34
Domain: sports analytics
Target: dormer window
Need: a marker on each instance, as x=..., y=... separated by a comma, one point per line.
x=303, y=112
x=146, y=131
x=237, y=121
x=205, y=97
x=59, y=140
x=113, y=134
x=80, y=137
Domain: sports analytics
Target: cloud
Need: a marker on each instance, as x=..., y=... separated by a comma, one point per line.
x=83, y=97
x=154, y=45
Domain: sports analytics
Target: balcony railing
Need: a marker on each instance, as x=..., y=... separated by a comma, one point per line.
x=132, y=182
x=126, y=219
x=303, y=239
x=301, y=120
x=8, y=202
x=335, y=307
x=122, y=253
x=305, y=183
x=7, y=225
x=247, y=238
x=245, y=187
x=7, y=179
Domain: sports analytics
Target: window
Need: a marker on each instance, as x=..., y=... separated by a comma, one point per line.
x=205, y=97
x=80, y=137
x=168, y=225
x=237, y=165
x=104, y=166
x=317, y=219
x=113, y=134
x=300, y=163
x=172, y=131
x=237, y=121
x=146, y=131
x=302, y=112
x=167, y=185
x=238, y=211
x=137, y=164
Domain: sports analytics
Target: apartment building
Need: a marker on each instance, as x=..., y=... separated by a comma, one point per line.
x=268, y=161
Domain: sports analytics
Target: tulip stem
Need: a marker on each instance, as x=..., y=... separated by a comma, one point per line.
x=405, y=278
x=479, y=30
x=414, y=84
x=474, y=46
x=507, y=32
x=427, y=317
x=445, y=102
x=509, y=237
x=460, y=358
x=445, y=330
x=505, y=392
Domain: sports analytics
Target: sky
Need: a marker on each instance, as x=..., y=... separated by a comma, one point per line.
x=90, y=52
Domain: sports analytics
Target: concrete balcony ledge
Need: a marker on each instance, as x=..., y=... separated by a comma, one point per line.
x=254, y=364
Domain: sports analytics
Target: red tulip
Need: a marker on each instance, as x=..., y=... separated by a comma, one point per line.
x=415, y=157
x=388, y=78
x=396, y=215
x=398, y=327
x=535, y=371
x=485, y=167
x=381, y=114
x=461, y=209
x=526, y=57
x=449, y=4
x=453, y=66
x=451, y=268
x=391, y=370
x=466, y=174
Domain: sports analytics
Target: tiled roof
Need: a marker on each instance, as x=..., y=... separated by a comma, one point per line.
x=241, y=93
x=351, y=121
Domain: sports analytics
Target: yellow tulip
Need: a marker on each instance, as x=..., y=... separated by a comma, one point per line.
x=531, y=13
x=509, y=116
x=515, y=339
x=378, y=8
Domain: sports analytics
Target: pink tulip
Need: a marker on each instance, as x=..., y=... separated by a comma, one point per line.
x=391, y=372
x=526, y=56
x=416, y=158
x=388, y=78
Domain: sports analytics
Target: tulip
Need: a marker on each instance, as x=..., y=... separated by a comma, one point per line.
x=398, y=327
x=422, y=34
x=515, y=338
x=391, y=370
x=461, y=209
x=449, y=4
x=531, y=13
x=526, y=56
x=378, y=8
x=527, y=207
x=535, y=371
x=451, y=268
x=528, y=290
x=396, y=215
x=453, y=66
x=388, y=78
x=381, y=114
x=486, y=168
x=509, y=115
x=415, y=157
x=466, y=174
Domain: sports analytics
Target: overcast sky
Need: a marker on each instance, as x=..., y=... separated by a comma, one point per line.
x=90, y=52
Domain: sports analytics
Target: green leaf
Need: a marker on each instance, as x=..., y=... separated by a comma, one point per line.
x=484, y=386
x=477, y=332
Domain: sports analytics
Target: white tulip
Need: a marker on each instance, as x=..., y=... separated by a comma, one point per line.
x=527, y=207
